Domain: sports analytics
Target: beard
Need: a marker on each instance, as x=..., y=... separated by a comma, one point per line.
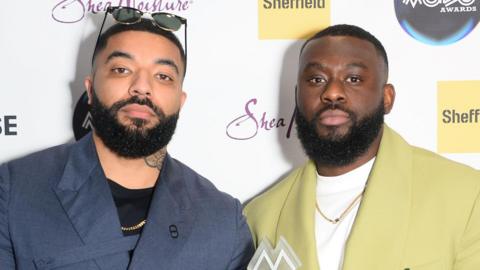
x=134, y=140
x=334, y=149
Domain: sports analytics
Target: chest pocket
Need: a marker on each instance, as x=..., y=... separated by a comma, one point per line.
x=434, y=265
x=85, y=253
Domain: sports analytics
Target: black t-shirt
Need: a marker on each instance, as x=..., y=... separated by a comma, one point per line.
x=132, y=205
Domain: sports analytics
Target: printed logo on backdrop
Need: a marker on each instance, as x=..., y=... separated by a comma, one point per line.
x=437, y=22
x=253, y=121
x=292, y=19
x=82, y=119
x=8, y=125
x=72, y=11
x=458, y=120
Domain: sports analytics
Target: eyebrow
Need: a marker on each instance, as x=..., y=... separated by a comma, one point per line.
x=168, y=62
x=161, y=61
x=116, y=54
x=316, y=65
x=357, y=65
x=313, y=65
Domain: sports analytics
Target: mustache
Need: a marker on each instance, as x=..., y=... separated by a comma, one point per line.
x=333, y=106
x=140, y=101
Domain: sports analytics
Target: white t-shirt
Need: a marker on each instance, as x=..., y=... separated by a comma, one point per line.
x=334, y=195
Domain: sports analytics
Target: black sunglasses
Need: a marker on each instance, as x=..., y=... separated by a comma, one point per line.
x=127, y=15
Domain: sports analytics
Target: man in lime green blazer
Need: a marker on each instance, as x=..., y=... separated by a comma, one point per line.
x=366, y=199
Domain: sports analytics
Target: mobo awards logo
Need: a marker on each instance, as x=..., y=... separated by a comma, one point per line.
x=437, y=22
x=458, y=120
x=292, y=19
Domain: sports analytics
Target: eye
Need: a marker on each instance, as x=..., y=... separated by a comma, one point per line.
x=354, y=79
x=164, y=77
x=317, y=80
x=120, y=70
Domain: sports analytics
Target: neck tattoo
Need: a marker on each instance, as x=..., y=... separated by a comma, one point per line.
x=156, y=160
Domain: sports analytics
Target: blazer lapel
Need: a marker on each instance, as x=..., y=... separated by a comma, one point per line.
x=297, y=219
x=87, y=200
x=378, y=235
x=169, y=221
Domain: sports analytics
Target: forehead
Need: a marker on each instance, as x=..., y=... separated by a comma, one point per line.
x=143, y=46
x=342, y=50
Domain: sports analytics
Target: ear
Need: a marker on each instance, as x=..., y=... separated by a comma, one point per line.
x=388, y=97
x=88, y=82
x=183, y=97
x=296, y=96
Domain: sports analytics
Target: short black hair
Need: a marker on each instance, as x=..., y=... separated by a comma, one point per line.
x=144, y=25
x=350, y=31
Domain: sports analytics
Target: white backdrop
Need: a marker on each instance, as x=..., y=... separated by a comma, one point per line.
x=44, y=62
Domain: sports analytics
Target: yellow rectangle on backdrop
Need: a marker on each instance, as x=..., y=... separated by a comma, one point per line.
x=292, y=19
x=458, y=121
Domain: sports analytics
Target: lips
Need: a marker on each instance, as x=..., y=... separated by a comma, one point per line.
x=137, y=111
x=333, y=117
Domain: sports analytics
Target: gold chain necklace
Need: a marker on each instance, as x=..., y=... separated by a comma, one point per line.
x=134, y=227
x=344, y=213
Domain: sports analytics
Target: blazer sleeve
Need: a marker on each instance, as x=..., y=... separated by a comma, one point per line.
x=468, y=257
x=243, y=249
x=7, y=261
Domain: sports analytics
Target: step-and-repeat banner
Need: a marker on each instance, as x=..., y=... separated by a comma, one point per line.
x=236, y=127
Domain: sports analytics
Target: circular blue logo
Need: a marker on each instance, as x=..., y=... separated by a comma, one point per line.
x=437, y=22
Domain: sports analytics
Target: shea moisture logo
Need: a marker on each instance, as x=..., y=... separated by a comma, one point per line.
x=437, y=22
x=251, y=122
x=72, y=11
x=292, y=19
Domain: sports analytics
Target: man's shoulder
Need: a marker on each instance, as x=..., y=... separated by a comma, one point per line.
x=37, y=171
x=199, y=187
x=41, y=161
x=425, y=161
x=430, y=169
x=433, y=159
x=435, y=167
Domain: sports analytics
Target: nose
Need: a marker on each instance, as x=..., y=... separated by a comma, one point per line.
x=334, y=93
x=141, y=85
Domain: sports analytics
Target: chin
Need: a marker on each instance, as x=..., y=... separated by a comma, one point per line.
x=333, y=132
x=137, y=123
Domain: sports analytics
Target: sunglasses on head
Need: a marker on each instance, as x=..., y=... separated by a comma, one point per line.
x=127, y=15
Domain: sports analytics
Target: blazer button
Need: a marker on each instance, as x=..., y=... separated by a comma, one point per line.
x=173, y=231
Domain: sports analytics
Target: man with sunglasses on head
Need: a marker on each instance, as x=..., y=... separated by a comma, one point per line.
x=116, y=199
x=366, y=199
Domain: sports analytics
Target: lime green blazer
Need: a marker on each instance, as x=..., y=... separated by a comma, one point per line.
x=419, y=212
